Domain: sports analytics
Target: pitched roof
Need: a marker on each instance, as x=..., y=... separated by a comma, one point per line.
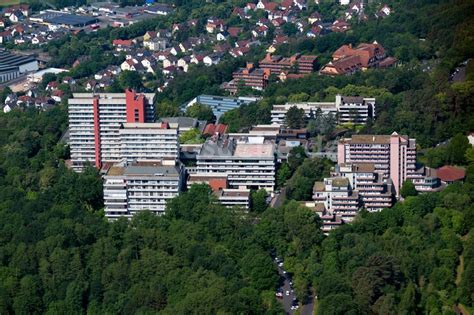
x=449, y=173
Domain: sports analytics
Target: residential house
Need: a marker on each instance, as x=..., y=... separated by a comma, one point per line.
x=170, y=61
x=222, y=36
x=215, y=25
x=122, y=44
x=234, y=31
x=156, y=44
x=52, y=86
x=57, y=95
x=383, y=12
x=212, y=59
x=340, y=26
x=91, y=85
x=314, y=17
x=183, y=63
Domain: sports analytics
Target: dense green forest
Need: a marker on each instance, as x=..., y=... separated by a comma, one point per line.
x=59, y=255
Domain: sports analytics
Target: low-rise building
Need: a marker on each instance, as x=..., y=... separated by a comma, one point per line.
x=231, y=198
x=221, y=104
x=347, y=109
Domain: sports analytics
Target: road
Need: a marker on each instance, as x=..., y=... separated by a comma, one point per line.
x=278, y=199
x=285, y=287
x=287, y=301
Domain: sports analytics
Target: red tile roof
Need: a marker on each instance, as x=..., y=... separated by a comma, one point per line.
x=449, y=173
x=122, y=42
x=211, y=129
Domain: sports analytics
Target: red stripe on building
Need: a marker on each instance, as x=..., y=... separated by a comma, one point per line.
x=98, y=160
x=135, y=107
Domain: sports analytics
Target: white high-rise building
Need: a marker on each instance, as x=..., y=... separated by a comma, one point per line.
x=133, y=187
x=148, y=141
x=95, y=120
x=338, y=197
x=248, y=165
x=392, y=155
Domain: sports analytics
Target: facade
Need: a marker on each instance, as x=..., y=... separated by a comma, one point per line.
x=347, y=60
x=234, y=198
x=393, y=156
x=350, y=188
x=249, y=76
x=8, y=73
x=338, y=197
x=156, y=44
x=221, y=104
x=374, y=192
x=355, y=109
x=95, y=121
x=303, y=64
x=133, y=187
x=347, y=109
x=148, y=141
x=23, y=62
x=228, y=197
x=248, y=165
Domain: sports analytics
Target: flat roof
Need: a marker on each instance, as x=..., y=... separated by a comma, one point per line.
x=55, y=17
x=232, y=193
x=218, y=148
x=340, y=181
x=9, y=59
x=319, y=186
x=254, y=150
x=143, y=168
x=149, y=96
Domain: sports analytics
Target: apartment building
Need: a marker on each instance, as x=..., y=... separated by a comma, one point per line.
x=231, y=198
x=222, y=104
x=347, y=60
x=393, y=156
x=95, y=120
x=354, y=109
x=302, y=64
x=133, y=187
x=330, y=221
x=148, y=141
x=249, y=76
x=249, y=165
x=338, y=197
x=374, y=192
x=347, y=109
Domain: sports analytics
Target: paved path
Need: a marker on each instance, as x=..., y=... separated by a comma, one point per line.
x=287, y=301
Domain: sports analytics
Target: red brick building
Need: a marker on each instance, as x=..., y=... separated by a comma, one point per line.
x=276, y=64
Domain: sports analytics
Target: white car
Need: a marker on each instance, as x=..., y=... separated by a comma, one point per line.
x=280, y=264
x=287, y=293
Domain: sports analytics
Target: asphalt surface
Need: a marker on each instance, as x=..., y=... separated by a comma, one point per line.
x=287, y=300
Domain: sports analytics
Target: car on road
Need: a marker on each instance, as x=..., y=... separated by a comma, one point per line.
x=294, y=305
x=279, y=294
x=280, y=264
x=287, y=292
